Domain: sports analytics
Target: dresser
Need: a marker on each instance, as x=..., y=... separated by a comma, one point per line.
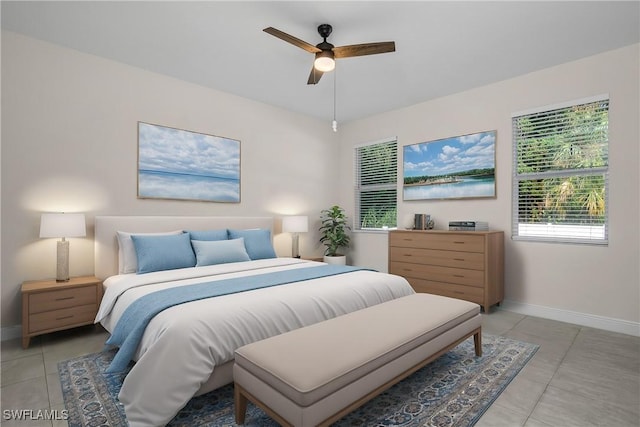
x=49, y=306
x=467, y=265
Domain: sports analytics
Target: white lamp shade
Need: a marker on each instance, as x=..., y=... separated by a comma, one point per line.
x=62, y=225
x=295, y=224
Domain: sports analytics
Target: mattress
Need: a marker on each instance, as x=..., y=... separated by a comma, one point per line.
x=183, y=345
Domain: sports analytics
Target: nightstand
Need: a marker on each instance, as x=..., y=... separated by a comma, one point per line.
x=49, y=306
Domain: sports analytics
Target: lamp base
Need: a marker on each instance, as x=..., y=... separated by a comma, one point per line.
x=295, y=253
x=62, y=266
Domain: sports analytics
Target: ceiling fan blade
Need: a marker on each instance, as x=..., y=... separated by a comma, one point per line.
x=363, y=49
x=293, y=40
x=314, y=76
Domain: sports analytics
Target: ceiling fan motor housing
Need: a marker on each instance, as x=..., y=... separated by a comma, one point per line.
x=324, y=30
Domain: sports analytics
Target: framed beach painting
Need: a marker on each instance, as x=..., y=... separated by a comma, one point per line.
x=452, y=168
x=184, y=165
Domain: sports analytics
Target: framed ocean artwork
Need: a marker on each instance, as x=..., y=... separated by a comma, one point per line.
x=184, y=165
x=452, y=168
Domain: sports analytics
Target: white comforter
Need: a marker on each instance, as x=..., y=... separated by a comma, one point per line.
x=183, y=344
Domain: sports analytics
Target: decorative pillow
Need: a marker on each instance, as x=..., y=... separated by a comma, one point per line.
x=156, y=253
x=209, y=234
x=210, y=252
x=256, y=241
x=127, y=260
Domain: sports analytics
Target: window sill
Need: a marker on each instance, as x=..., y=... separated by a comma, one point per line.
x=375, y=230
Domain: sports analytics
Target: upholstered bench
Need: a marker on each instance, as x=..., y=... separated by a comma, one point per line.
x=317, y=374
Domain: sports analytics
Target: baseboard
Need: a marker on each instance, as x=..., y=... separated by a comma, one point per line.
x=583, y=319
x=11, y=332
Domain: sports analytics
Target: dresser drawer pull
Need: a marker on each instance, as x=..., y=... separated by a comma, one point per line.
x=458, y=243
x=64, y=317
x=458, y=259
x=458, y=292
x=458, y=275
x=64, y=298
x=406, y=255
x=407, y=269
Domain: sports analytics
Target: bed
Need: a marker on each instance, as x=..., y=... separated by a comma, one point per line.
x=187, y=349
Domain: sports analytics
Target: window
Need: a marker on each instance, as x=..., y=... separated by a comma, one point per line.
x=561, y=173
x=376, y=186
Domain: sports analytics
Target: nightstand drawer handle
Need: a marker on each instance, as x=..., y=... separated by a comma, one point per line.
x=64, y=298
x=64, y=317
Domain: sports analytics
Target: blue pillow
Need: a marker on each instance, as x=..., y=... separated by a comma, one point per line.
x=257, y=242
x=210, y=252
x=209, y=234
x=156, y=253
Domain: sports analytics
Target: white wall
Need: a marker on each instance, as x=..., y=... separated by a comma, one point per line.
x=69, y=143
x=573, y=282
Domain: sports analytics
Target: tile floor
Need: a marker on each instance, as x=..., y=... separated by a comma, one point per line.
x=579, y=377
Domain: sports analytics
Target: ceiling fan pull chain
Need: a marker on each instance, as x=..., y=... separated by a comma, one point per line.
x=334, y=124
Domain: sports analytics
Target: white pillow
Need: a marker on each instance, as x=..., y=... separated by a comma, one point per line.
x=127, y=259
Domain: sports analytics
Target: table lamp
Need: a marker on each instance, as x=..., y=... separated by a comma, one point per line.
x=295, y=224
x=62, y=225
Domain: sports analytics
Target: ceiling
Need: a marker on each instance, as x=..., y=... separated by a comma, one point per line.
x=441, y=47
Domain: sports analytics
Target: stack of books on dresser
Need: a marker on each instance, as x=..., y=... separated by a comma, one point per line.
x=468, y=226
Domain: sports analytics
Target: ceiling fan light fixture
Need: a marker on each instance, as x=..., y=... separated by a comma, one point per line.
x=324, y=61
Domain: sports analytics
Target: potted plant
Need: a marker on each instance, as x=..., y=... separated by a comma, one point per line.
x=333, y=231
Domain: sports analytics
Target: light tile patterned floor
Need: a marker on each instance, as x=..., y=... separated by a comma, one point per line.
x=579, y=377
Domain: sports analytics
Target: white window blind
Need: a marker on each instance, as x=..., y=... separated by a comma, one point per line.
x=561, y=173
x=376, y=185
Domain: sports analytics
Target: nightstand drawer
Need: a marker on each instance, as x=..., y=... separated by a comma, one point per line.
x=65, y=317
x=58, y=299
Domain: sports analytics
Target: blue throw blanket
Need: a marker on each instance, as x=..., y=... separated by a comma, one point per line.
x=130, y=327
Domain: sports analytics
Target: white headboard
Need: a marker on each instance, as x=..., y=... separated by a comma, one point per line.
x=106, y=242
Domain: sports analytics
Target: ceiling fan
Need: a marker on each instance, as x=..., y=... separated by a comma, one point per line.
x=326, y=53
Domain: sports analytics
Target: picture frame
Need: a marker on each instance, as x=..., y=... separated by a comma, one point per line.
x=178, y=164
x=458, y=167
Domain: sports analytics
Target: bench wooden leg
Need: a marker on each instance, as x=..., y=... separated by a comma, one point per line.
x=240, y=404
x=477, y=341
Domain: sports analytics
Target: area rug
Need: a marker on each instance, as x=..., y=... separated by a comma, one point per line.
x=454, y=390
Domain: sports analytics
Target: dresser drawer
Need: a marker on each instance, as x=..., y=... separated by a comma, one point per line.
x=468, y=293
x=56, y=319
x=58, y=299
x=469, y=260
x=438, y=273
x=439, y=241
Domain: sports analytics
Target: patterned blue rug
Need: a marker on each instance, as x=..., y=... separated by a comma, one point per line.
x=454, y=390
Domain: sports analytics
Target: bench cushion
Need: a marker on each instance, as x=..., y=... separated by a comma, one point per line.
x=310, y=363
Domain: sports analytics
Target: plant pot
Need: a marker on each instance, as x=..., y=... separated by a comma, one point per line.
x=338, y=259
